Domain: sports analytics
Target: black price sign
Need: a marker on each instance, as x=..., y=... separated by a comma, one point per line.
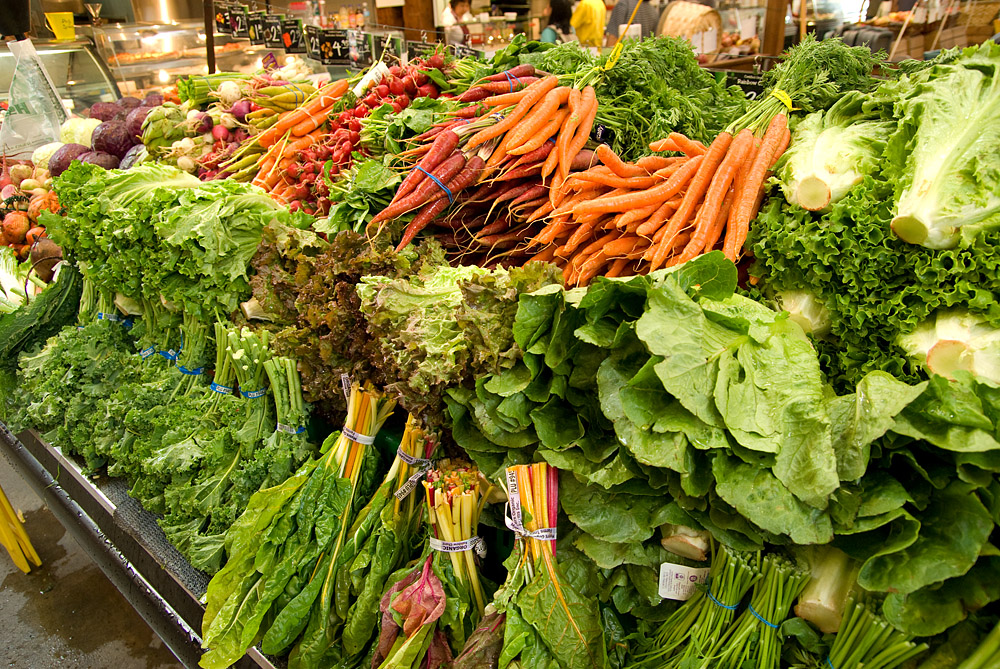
x=333, y=47
x=256, y=23
x=222, y=19
x=602, y=134
x=239, y=21
x=749, y=82
x=414, y=49
x=312, y=42
x=462, y=51
x=292, y=38
x=272, y=31
x=360, y=48
x=388, y=47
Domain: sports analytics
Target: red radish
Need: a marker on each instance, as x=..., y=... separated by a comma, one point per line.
x=371, y=100
x=396, y=107
x=396, y=86
x=395, y=70
x=221, y=133
x=355, y=137
x=355, y=125
x=294, y=170
x=428, y=90
x=309, y=178
x=382, y=90
x=437, y=62
x=409, y=84
x=404, y=101
x=345, y=117
x=361, y=111
x=420, y=77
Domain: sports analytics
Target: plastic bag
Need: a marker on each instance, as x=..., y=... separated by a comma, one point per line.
x=36, y=110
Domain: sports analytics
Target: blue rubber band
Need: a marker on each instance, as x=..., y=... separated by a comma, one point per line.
x=830, y=664
x=758, y=617
x=190, y=372
x=169, y=355
x=254, y=394
x=451, y=198
x=221, y=389
x=510, y=80
x=718, y=603
x=127, y=323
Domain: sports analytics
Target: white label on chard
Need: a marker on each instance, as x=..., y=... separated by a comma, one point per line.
x=678, y=582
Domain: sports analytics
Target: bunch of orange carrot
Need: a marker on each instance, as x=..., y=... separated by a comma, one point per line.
x=621, y=219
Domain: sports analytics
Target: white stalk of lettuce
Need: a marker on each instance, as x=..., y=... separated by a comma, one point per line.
x=831, y=152
x=944, y=157
x=954, y=341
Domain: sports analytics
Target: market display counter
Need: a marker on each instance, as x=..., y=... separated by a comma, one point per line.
x=124, y=540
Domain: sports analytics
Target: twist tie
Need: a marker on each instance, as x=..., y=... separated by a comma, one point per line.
x=254, y=394
x=357, y=437
x=720, y=604
x=146, y=352
x=221, y=389
x=784, y=98
x=473, y=543
x=288, y=429
x=760, y=618
x=191, y=372
x=829, y=663
x=170, y=355
x=423, y=466
x=451, y=198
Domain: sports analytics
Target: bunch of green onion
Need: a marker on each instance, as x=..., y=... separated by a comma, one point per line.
x=866, y=640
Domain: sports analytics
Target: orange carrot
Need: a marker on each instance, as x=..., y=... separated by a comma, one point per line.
x=565, y=132
x=622, y=169
x=747, y=198
x=709, y=217
x=656, y=194
x=638, y=214
x=617, y=267
x=549, y=233
x=786, y=137
x=689, y=147
x=653, y=163
x=580, y=235
x=588, y=104
x=741, y=177
x=665, y=144
x=533, y=94
x=623, y=245
x=543, y=210
x=696, y=190
x=591, y=268
x=545, y=255
x=614, y=181
x=657, y=218
x=324, y=99
x=550, y=128
x=539, y=116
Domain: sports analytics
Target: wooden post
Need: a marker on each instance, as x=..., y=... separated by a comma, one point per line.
x=774, y=28
x=802, y=20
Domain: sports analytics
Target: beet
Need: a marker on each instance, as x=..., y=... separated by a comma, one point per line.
x=113, y=137
x=101, y=159
x=105, y=111
x=128, y=103
x=63, y=156
x=134, y=156
x=133, y=122
x=153, y=100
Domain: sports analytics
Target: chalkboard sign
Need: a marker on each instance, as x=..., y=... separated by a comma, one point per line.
x=414, y=49
x=462, y=51
x=239, y=21
x=312, y=42
x=272, y=31
x=256, y=23
x=333, y=47
x=749, y=82
x=292, y=38
x=388, y=47
x=360, y=48
x=602, y=134
x=222, y=19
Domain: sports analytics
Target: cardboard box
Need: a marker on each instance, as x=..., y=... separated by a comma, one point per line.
x=950, y=37
x=912, y=46
x=979, y=34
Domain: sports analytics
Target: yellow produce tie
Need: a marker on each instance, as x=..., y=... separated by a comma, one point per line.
x=14, y=538
x=784, y=98
x=617, y=51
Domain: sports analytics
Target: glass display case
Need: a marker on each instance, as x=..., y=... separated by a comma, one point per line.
x=147, y=56
x=77, y=70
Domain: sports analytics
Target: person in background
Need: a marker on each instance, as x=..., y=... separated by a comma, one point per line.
x=588, y=21
x=557, y=31
x=455, y=16
x=647, y=17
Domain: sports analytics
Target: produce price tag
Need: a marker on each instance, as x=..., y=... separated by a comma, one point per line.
x=345, y=385
x=749, y=83
x=222, y=18
x=288, y=429
x=424, y=466
x=679, y=582
x=333, y=48
x=146, y=352
x=292, y=38
x=221, y=389
x=312, y=42
x=357, y=437
x=462, y=51
x=473, y=543
x=360, y=48
x=272, y=31
x=254, y=394
x=239, y=21
x=602, y=134
x=269, y=62
x=107, y=317
x=256, y=27
x=513, y=517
